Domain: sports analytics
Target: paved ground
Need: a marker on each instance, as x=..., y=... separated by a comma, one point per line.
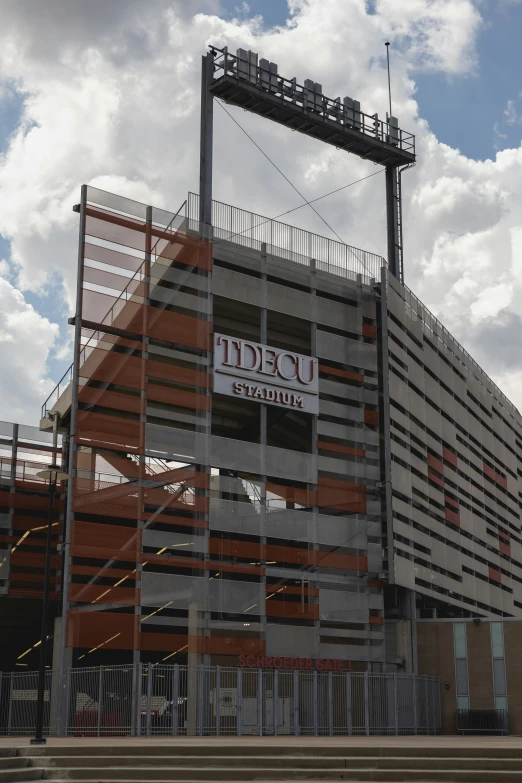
x=344, y=742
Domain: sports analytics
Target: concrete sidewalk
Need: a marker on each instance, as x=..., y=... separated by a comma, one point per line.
x=346, y=743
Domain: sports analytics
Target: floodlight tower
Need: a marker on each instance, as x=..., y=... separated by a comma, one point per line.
x=256, y=86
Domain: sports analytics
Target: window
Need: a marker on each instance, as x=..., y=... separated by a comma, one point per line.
x=499, y=665
x=461, y=665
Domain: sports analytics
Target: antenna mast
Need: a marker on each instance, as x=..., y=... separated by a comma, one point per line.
x=387, y=45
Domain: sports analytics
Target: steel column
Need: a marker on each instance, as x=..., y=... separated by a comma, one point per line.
x=330, y=704
x=175, y=701
x=66, y=562
x=217, y=699
x=239, y=702
x=100, y=699
x=149, y=696
x=349, y=703
x=395, y=703
x=366, y=704
x=296, y=703
x=316, y=704
x=276, y=701
x=260, y=701
x=206, y=138
x=38, y=738
x=392, y=221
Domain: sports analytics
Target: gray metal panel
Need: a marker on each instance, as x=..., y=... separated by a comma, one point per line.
x=234, y=285
x=237, y=455
x=284, y=299
x=291, y=464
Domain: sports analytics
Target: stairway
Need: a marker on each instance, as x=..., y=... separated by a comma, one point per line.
x=186, y=760
x=16, y=768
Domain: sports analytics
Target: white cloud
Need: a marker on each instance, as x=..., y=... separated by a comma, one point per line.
x=113, y=99
x=26, y=339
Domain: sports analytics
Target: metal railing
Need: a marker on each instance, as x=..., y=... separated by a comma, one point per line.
x=158, y=699
x=482, y=721
x=232, y=224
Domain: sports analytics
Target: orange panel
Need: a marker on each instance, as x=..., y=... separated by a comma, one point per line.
x=342, y=495
x=303, y=497
x=108, y=399
x=183, y=249
x=452, y=516
x=342, y=562
x=114, y=228
x=107, y=431
x=292, y=589
x=433, y=477
x=163, y=642
x=449, y=456
x=369, y=330
x=291, y=609
x=435, y=463
x=322, y=444
x=112, y=367
x=30, y=502
x=101, y=571
x=93, y=629
x=120, y=500
x=492, y=474
x=286, y=554
x=376, y=620
x=112, y=257
x=371, y=418
x=106, y=553
x=123, y=596
x=24, y=559
x=177, y=328
x=229, y=548
x=106, y=537
x=24, y=576
x=29, y=592
x=171, y=372
x=183, y=399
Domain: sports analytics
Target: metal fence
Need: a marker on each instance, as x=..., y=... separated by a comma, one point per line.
x=232, y=224
x=150, y=699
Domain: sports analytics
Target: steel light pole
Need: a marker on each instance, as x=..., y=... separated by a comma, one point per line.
x=54, y=474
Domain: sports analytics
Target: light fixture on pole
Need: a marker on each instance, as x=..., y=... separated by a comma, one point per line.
x=53, y=474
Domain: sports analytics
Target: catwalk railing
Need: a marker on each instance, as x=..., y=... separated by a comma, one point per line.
x=150, y=699
x=241, y=227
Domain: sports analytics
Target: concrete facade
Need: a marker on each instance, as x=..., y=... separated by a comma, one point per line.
x=456, y=471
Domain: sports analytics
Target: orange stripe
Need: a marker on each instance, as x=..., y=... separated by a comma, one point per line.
x=292, y=589
x=291, y=609
x=322, y=444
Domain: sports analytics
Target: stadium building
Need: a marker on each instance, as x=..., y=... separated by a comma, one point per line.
x=277, y=456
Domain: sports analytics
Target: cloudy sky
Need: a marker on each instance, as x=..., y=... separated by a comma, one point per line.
x=108, y=93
